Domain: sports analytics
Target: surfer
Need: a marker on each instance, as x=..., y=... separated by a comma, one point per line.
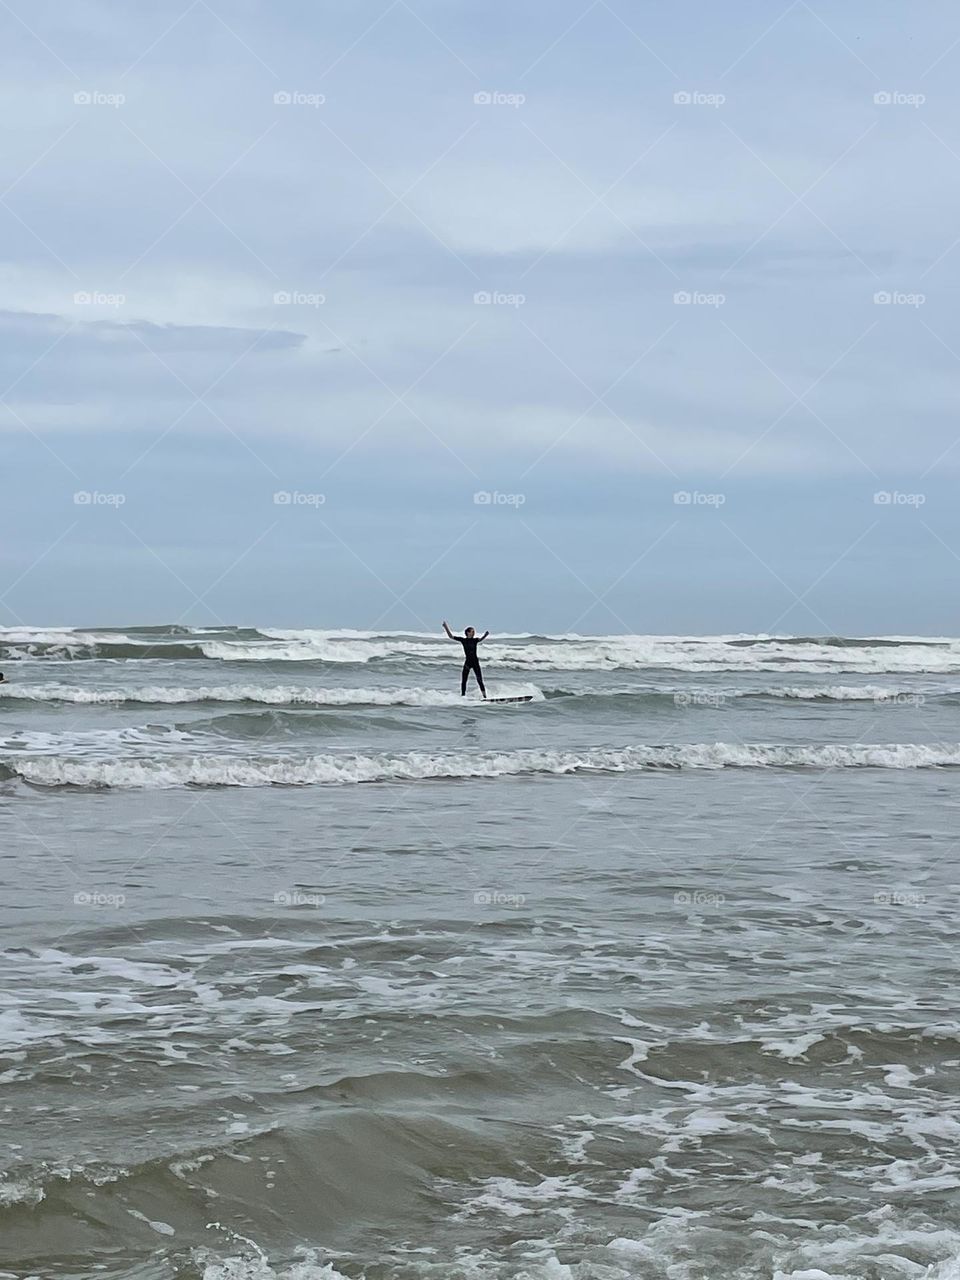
x=469, y=640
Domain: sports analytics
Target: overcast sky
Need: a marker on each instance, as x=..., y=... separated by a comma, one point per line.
x=288, y=286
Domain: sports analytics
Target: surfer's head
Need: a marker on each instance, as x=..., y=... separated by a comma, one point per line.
x=469, y=632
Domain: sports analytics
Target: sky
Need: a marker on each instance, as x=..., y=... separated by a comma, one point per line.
x=549, y=316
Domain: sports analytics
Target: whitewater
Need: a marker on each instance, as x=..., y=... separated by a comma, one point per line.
x=313, y=969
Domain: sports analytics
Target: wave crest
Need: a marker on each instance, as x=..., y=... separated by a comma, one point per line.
x=415, y=766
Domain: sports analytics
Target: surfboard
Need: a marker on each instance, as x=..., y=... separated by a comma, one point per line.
x=525, y=697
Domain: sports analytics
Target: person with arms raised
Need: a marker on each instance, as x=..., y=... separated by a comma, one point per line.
x=469, y=640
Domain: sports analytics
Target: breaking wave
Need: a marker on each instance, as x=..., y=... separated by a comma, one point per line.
x=415, y=766
x=905, y=654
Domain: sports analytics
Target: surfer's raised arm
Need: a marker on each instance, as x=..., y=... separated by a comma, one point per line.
x=484, y=636
x=450, y=635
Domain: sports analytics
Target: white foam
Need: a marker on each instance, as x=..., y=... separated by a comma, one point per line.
x=902, y=654
x=253, y=1263
x=807, y=1274
x=639, y=1052
x=237, y=771
x=842, y=693
x=54, y=635
x=711, y=654
x=240, y=1268
x=792, y=1049
x=516, y=1199
x=153, y=738
x=12, y=1193
x=161, y=1228
x=267, y=695
x=313, y=651
x=621, y=1259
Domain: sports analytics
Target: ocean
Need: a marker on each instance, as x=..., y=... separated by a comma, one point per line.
x=313, y=969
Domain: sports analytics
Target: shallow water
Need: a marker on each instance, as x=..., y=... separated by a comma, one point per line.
x=650, y=977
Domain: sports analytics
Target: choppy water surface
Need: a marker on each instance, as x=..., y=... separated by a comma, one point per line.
x=312, y=968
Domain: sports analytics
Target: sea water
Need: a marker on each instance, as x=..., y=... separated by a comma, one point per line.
x=312, y=968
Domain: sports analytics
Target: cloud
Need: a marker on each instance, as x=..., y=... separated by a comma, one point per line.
x=30, y=324
x=384, y=210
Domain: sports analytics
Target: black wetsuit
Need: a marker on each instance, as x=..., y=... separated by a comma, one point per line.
x=470, y=663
